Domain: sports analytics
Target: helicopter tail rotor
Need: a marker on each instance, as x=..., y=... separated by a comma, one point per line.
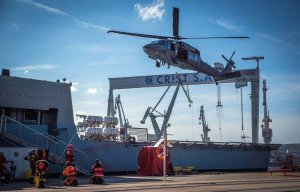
x=230, y=62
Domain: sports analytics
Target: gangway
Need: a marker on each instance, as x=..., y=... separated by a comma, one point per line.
x=13, y=134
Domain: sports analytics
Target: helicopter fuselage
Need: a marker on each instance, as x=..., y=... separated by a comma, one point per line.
x=171, y=50
x=179, y=54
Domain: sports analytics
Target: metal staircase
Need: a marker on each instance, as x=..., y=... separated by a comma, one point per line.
x=14, y=135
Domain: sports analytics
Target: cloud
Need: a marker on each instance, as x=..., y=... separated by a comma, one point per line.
x=79, y=112
x=90, y=25
x=73, y=88
x=227, y=24
x=28, y=68
x=44, y=7
x=275, y=39
x=92, y=91
x=155, y=11
x=59, y=12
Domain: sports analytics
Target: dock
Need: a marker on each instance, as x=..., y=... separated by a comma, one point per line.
x=251, y=181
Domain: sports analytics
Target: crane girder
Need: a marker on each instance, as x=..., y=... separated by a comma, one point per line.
x=247, y=75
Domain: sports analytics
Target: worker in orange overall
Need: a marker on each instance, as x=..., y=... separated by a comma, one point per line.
x=70, y=172
x=70, y=155
x=98, y=173
x=2, y=168
x=32, y=158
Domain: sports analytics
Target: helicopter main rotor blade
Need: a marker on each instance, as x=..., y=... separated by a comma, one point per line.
x=232, y=55
x=225, y=58
x=176, y=23
x=140, y=35
x=231, y=37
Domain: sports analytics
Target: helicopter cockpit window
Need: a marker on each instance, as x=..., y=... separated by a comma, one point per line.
x=182, y=54
x=162, y=42
x=154, y=42
x=192, y=56
x=172, y=47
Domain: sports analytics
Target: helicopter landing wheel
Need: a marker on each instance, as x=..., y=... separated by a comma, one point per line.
x=157, y=64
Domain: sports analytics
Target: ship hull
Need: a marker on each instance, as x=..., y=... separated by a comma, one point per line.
x=40, y=114
x=122, y=157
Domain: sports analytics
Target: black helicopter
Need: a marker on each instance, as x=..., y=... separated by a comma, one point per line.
x=171, y=50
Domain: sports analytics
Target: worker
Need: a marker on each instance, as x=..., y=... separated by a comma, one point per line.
x=70, y=172
x=41, y=169
x=98, y=173
x=70, y=155
x=2, y=168
x=12, y=169
x=170, y=169
x=139, y=171
x=32, y=158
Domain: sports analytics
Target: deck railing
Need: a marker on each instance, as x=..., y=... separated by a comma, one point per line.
x=26, y=136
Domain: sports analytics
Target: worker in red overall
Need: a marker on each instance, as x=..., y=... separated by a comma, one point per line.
x=41, y=169
x=70, y=172
x=32, y=158
x=98, y=173
x=70, y=155
x=2, y=168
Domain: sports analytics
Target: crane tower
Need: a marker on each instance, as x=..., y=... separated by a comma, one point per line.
x=266, y=131
x=205, y=137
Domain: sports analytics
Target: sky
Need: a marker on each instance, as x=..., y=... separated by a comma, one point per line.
x=56, y=39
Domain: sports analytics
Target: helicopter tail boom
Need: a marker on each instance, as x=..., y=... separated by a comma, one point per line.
x=231, y=75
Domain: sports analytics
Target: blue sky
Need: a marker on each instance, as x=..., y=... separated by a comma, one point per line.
x=54, y=39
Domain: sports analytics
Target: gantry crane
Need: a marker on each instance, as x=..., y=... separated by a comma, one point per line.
x=150, y=112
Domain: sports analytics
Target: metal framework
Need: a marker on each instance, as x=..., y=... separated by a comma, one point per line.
x=204, y=137
x=266, y=130
x=248, y=75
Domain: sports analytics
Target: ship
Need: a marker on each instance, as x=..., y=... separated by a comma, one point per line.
x=39, y=113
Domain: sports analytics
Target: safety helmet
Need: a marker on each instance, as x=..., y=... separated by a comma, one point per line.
x=68, y=163
x=71, y=146
x=97, y=161
x=32, y=151
x=41, y=165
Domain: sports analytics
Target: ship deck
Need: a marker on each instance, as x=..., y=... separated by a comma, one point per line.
x=251, y=181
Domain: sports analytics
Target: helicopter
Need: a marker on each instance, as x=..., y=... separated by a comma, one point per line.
x=171, y=50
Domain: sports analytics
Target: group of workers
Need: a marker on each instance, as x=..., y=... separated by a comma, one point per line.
x=38, y=160
x=70, y=172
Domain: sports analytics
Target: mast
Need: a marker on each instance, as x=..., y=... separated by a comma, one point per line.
x=266, y=131
x=204, y=136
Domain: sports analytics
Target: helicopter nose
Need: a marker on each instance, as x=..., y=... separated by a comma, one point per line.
x=147, y=48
